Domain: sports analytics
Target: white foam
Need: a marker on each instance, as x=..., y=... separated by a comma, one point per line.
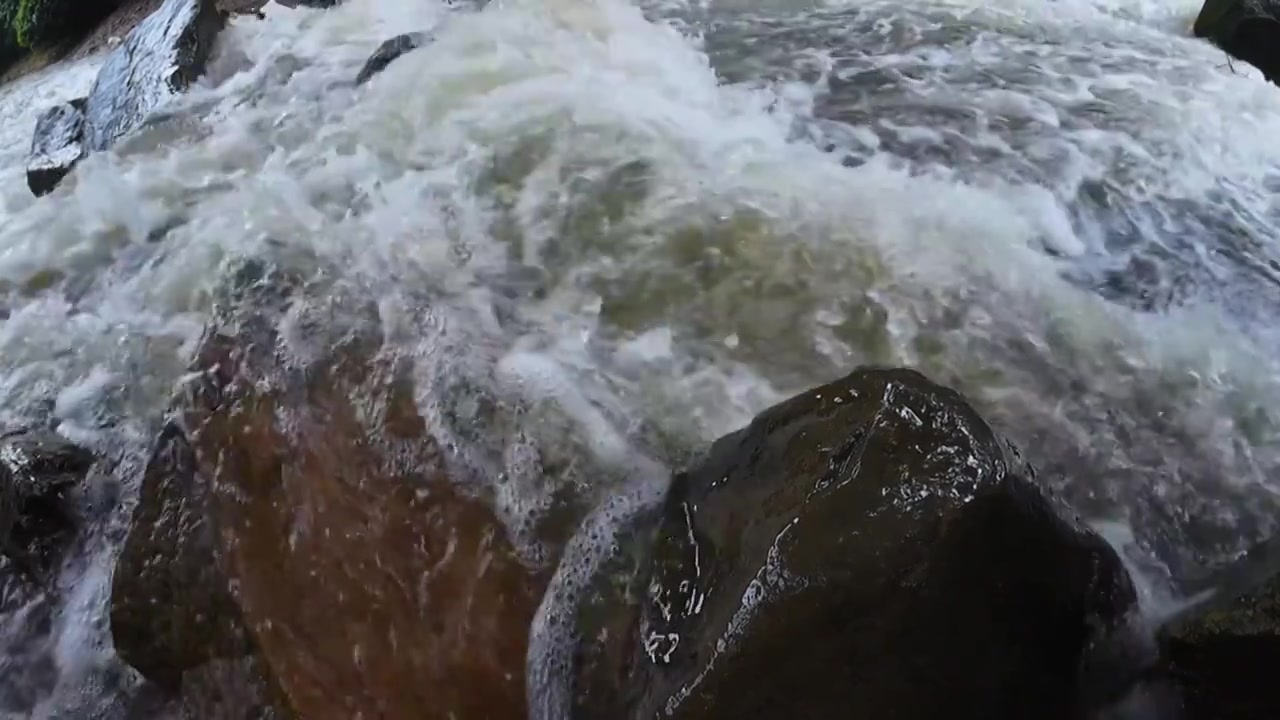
x=697, y=262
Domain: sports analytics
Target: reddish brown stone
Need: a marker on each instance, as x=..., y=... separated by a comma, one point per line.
x=371, y=585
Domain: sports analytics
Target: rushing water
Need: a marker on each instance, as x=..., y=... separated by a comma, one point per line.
x=657, y=221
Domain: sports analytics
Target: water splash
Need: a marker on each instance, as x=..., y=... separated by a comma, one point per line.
x=649, y=223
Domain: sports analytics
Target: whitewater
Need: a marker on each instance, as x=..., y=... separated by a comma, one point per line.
x=652, y=222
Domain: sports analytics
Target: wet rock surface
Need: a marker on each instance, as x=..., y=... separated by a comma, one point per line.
x=870, y=544
x=1246, y=30
x=1218, y=658
x=41, y=479
x=172, y=611
x=369, y=583
x=39, y=470
x=310, y=3
x=158, y=60
x=388, y=52
x=218, y=690
x=58, y=144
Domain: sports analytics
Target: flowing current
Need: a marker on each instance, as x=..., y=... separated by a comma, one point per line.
x=655, y=221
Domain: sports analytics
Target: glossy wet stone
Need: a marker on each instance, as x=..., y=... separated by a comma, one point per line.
x=869, y=548
x=56, y=147
x=159, y=59
x=388, y=52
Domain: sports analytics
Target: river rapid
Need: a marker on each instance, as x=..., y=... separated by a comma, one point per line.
x=650, y=222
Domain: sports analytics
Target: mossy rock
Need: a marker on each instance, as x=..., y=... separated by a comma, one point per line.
x=1220, y=656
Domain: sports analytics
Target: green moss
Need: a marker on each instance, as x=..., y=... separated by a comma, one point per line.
x=28, y=24
x=22, y=22
x=1257, y=613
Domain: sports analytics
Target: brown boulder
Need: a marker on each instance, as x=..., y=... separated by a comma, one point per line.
x=867, y=549
x=370, y=584
x=172, y=612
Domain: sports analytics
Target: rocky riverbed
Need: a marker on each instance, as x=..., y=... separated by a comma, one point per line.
x=557, y=359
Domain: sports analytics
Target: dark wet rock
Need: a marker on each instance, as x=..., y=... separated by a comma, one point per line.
x=159, y=59
x=328, y=500
x=243, y=7
x=41, y=478
x=870, y=547
x=28, y=672
x=221, y=690
x=1219, y=656
x=39, y=471
x=389, y=51
x=171, y=610
x=1246, y=30
x=310, y=3
x=15, y=586
x=56, y=147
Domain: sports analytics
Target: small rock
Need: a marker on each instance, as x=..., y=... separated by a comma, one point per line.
x=38, y=469
x=43, y=482
x=309, y=3
x=56, y=147
x=869, y=549
x=159, y=59
x=389, y=51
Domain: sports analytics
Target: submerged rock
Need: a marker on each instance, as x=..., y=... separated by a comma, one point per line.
x=369, y=583
x=869, y=547
x=1247, y=30
x=160, y=58
x=1220, y=656
x=389, y=51
x=56, y=147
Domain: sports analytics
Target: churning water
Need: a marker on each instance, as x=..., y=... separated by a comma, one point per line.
x=655, y=221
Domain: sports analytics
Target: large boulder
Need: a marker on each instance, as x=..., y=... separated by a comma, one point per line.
x=369, y=583
x=56, y=146
x=869, y=548
x=388, y=52
x=1219, y=655
x=159, y=59
x=1248, y=30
